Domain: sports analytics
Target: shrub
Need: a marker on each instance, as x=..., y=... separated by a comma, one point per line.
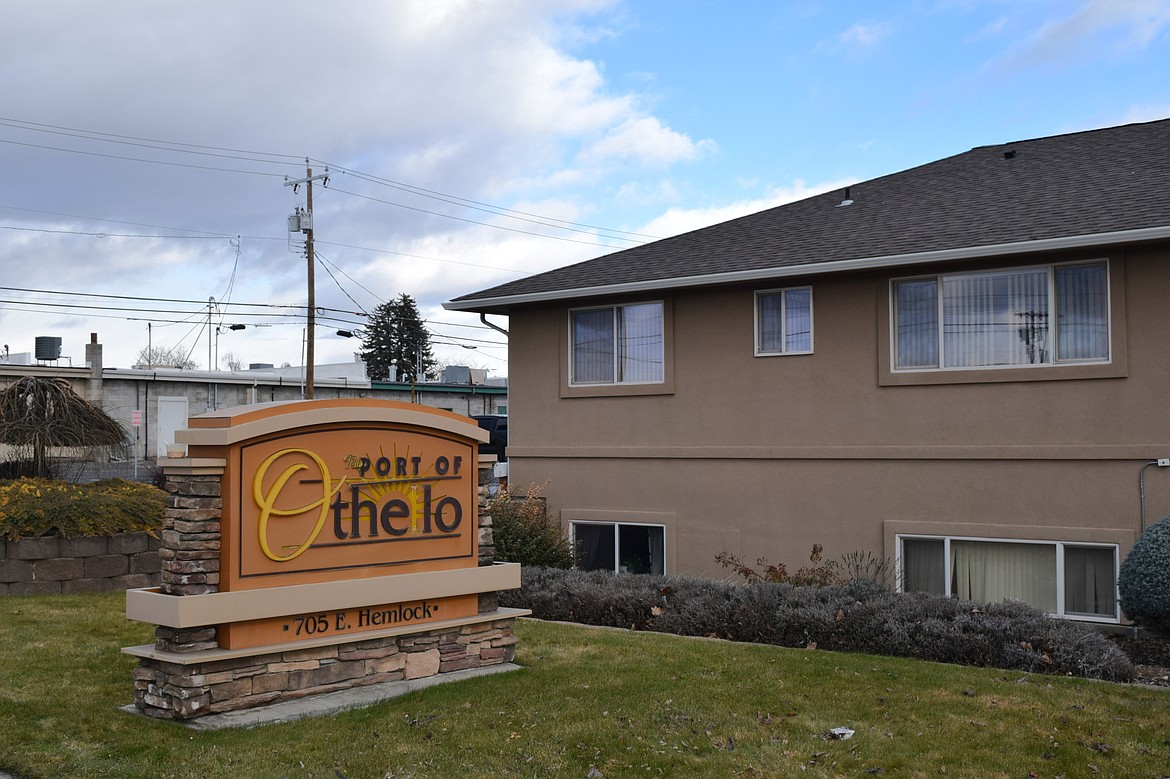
x=819, y=574
x=863, y=568
x=1144, y=579
x=44, y=507
x=855, y=617
x=523, y=532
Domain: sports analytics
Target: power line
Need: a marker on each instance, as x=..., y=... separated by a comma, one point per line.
x=329, y=266
x=287, y=159
x=108, y=235
x=464, y=219
x=200, y=303
x=61, y=130
x=524, y=216
x=141, y=159
x=209, y=233
x=219, y=236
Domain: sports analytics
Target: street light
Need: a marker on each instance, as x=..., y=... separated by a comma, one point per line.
x=218, y=330
x=215, y=391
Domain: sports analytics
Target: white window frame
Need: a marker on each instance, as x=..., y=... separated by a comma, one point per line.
x=617, y=356
x=1055, y=362
x=617, y=526
x=760, y=351
x=948, y=577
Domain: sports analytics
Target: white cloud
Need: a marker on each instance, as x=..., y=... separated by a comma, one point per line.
x=1145, y=113
x=865, y=36
x=484, y=101
x=681, y=220
x=640, y=193
x=644, y=140
x=1096, y=28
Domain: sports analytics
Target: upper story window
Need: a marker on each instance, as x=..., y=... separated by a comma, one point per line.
x=617, y=344
x=784, y=321
x=1046, y=315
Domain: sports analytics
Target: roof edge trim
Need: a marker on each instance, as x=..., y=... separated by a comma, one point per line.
x=839, y=266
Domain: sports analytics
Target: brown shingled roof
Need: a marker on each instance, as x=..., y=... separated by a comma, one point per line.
x=1091, y=183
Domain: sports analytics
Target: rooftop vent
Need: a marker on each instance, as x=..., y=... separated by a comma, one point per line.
x=848, y=201
x=1010, y=154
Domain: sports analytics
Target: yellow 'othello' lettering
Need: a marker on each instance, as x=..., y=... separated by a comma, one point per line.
x=267, y=500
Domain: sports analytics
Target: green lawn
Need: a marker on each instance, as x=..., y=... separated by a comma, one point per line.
x=626, y=704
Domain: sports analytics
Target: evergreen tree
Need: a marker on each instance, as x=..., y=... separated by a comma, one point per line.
x=396, y=337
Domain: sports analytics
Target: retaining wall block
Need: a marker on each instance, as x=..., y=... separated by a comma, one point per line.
x=134, y=581
x=58, y=569
x=39, y=548
x=77, y=586
x=128, y=543
x=34, y=588
x=145, y=562
x=107, y=565
x=83, y=546
x=15, y=571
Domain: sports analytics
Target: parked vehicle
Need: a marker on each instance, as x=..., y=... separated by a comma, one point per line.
x=497, y=427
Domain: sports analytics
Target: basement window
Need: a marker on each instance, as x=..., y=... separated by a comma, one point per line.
x=619, y=547
x=1064, y=579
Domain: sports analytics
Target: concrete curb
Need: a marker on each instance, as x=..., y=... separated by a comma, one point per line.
x=324, y=704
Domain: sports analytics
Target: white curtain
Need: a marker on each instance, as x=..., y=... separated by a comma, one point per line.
x=916, y=323
x=1082, y=297
x=593, y=344
x=798, y=320
x=996, y=319
x=771, y=322
x=640, y=343
x=992, y=571
x=786, y=321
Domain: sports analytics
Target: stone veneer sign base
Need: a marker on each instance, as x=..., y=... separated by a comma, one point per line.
x=328, y=703
x=189, y=685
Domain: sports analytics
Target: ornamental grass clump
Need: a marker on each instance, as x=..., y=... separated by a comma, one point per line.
x=1144, y=579
x=45, y=507
x=853, y=617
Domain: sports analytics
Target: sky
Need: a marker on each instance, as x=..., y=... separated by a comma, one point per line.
x=147, y=147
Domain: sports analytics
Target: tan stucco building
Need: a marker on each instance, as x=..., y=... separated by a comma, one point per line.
x=962, y=367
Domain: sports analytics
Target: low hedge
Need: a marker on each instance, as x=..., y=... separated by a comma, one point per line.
x=45, y=507
x=855, y=617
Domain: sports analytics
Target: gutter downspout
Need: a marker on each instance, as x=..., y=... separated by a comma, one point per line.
x=497, y=328
x=1161, y=463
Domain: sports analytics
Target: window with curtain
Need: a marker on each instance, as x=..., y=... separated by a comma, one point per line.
x=784, y=321
x=620, y=547
x=991, y=571
x=1090, y=580
x=617, y=344
x=1026, y=316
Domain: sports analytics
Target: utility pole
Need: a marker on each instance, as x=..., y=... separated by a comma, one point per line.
x=305, y=225
x=210, y=367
